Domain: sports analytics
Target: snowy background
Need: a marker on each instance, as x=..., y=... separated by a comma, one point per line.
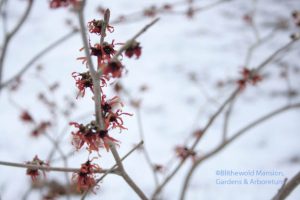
x=182, y=62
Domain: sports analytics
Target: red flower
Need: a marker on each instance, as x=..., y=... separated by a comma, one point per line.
x=83, y=80
x=296, y=16
x=26, y=117
x=113, y=68
x=134, y=49
x=109, y=104
x=62, y=3
x=114, y=119
x=85, y=178
x=248, y=76
x=103, y=52
x=95, y=26
x=150, y=12
x=41, y=128
x=183, y=152
x=91, y=135
x=34, y=173
x=248, y=19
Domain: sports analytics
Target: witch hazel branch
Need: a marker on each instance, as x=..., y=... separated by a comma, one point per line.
x=96, y=135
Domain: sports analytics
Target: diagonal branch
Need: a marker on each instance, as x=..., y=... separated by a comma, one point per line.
x=217, y=113
x=38, y=56
x=10, y=35
x=233, y=138
x=288, y=188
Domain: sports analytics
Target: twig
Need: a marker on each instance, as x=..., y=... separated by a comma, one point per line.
x=231, y=139
x=227, y=118
x=97, y=95
x=46, y=168
x=38, y=56
x=113, y=167
x=125, y=176
x=9, y=36
x=94, y=74
x=145, y=152
x=129, y=42
x=65, y=161
x=216, y=114
x=288, y=188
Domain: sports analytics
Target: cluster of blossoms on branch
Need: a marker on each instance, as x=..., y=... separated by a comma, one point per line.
x=33, y=172
x=94, y=135
x=85, y=178
x=62, y=3
x=38, y=127
x=248, y=76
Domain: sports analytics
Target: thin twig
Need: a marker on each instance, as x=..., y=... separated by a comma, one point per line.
x=231, y=139
x=145, y=151
x=97, y=95
x=288, y=188
x=125, y=176
x=46, y=50
x=216, y=114
x=227, y=118
x=129, y=42
x=113, y=168
x=46, y=168
x=9, y=36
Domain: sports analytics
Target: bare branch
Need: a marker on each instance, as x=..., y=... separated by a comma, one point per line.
x=9, y=36
x=38, y=56
x=233, y=138
x=129, y=42
x=57, y=169
x=287, y=188
x=216, y=114
x=113, y=167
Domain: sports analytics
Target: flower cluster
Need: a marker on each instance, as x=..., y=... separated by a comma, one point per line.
x=95, y=26
x=85, y=177
x=91, y=135
x=183, y=152
x=248, y=76
x=40, y=128
x=26, y=117
x=34, y=173
x=134, y=49
x=296, y=16
x=112, y=118
x=62, y=3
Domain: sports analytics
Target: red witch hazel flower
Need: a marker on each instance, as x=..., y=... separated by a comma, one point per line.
x=296, y=16
x=95, y=26
x=34, y=173
x=183, y=152
x=40, y=129
x=248, y=76
x=115, y=120
x=103, y=52
x=113, y=69
x=85, y=178
x=108, y=105
x=26, y=117
x=134, y=49
x=62, y=3
x=91, y=135
x=83, y=81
